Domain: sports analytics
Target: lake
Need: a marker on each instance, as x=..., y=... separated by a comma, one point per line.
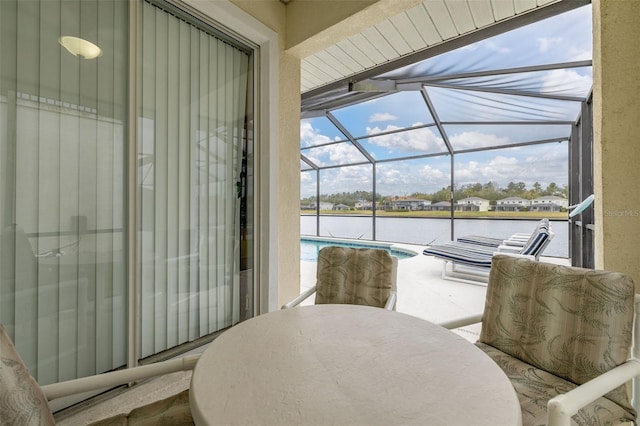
x=423, y=231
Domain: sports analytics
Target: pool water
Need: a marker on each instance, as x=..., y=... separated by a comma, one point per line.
x=309, y=248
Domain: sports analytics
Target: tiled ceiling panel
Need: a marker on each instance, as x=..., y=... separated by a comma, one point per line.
x=430, y=23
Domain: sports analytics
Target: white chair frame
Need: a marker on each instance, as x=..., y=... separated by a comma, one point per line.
x=390, y=305
x=120, y=377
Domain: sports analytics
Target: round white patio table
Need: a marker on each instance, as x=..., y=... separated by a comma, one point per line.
x=348, y=365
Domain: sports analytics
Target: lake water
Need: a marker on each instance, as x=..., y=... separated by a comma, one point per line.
x=423, y=231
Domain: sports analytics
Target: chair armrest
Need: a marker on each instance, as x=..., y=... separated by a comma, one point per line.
x=391, y=301
x=509, y=249
x=461, y=322
x=120, y=377
x=562, y=407
x=299, y=299
x=514, y=243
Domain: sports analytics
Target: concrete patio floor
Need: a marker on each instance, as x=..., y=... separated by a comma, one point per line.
x=424, y=294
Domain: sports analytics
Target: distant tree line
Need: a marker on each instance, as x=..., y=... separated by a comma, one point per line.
x=489, y=191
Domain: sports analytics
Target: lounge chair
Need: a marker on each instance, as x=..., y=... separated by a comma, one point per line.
x=471, y=262
x=517, y=239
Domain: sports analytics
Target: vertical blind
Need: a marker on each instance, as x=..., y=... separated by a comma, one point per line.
x=64, y=185
x=62, y=147
x=193, y=104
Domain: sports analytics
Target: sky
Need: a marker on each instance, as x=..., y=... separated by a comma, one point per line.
x=563, y=38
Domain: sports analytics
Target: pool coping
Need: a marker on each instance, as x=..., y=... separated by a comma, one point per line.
x=412, y=250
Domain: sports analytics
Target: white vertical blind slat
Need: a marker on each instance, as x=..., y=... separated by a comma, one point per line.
x=225, y=164
x=48, y=204
x=161, y=180
x=188, y=247
x=214, y=108
x=194, y=202
x=202, y=145
x=105, y=190
x=119, y=235
x=173, y=179
x=146, y=146
x=26, y=298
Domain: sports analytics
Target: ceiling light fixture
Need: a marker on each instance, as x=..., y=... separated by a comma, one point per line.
x=80, y=47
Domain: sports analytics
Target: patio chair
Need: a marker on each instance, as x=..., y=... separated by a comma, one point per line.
x=563, y=337
x=358, y=276
x=24, y=402
x=470, y=263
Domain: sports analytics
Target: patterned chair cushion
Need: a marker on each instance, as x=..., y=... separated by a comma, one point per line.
x=536, y=387
x=171, y=411
x=357, y=276
x=571, y=322
x=22, y=403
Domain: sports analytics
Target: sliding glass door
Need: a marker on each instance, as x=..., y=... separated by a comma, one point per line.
x=190, y=148
x=62, y=192
x=65, y=257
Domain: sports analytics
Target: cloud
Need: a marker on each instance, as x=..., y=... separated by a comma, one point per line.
x=475, y=139
x=545, y=163
x=382, y=116
x=547, y=43
x=345, y=179
x=406, y=177
x=542, y=164
x=566, y=81
x=566, y=48
x=550, y=164
x=580, y=54
x=492, y=46
x=422, y=140
x=496, y=170
x=341, y=153
x=310, y=136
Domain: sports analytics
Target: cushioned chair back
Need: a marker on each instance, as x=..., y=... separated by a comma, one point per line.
x=572, y=322
x=357, y=276
x=21, y=399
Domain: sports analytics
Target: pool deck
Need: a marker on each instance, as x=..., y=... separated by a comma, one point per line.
x=422, y=292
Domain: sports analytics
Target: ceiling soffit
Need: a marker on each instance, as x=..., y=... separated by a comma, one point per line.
x=424, y=31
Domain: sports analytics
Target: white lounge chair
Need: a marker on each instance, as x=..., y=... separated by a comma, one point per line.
x=470, y=262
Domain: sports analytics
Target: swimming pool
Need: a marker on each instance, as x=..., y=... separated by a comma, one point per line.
x=309, y=247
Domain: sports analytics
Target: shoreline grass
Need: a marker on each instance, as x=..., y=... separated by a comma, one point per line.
x=442, y=214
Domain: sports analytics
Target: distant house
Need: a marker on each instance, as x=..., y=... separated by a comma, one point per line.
x=323, y=206
x=561, y=201
x=440, y=206
x=473, y=204
x=512, y=204
x=341, y=207
x=549, y=203
x=408, y=204
x=363, y=205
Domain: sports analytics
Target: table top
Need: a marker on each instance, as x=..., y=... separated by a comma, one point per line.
x=348, y=364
